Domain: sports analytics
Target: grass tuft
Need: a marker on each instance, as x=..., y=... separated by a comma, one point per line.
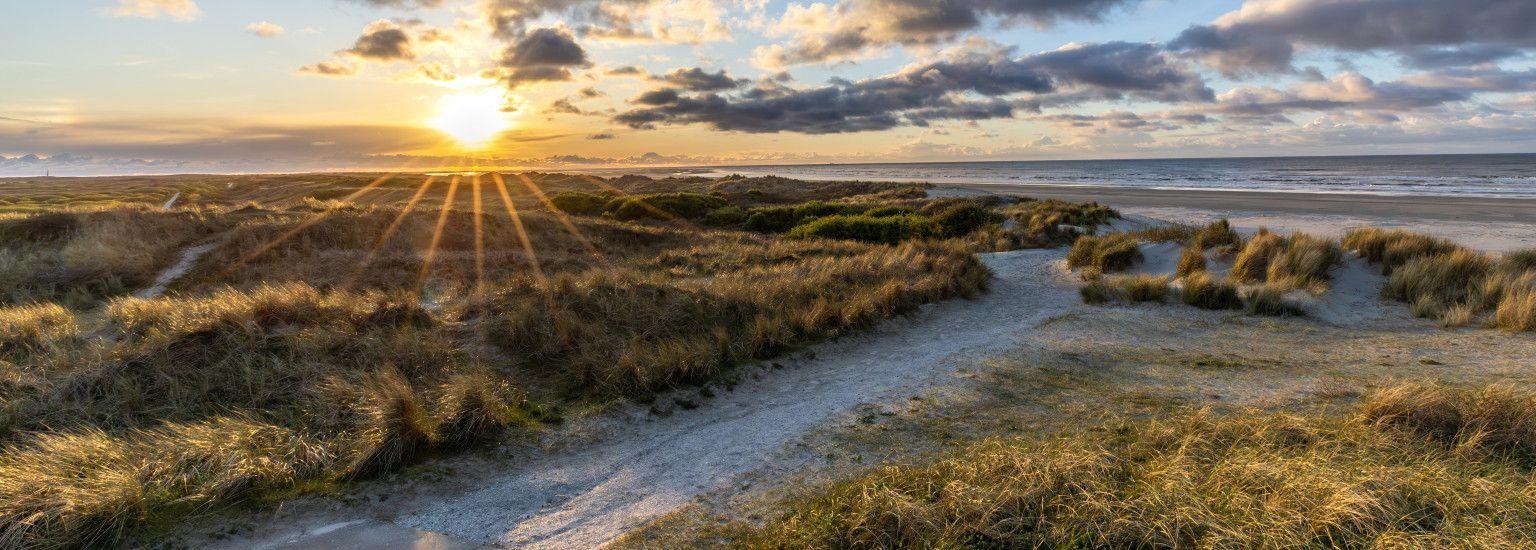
x=1108, y=253
x=1206, y=292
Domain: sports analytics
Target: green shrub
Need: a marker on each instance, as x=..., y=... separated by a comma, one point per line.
x=666, y=206
x=961, y=220
x=1108, y=253
x=888, y=230
x=726, y=216
x=1205, y=292
x=581, y=204
x=888, y=211
x=779, y=219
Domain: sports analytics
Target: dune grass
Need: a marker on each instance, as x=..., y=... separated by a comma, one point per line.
x=1269, y=300
x=1107, y=254
x=1452, y=284
x=1206, y=292
x=1125, y=288
x=318, y=343
x=1252, y=263
x=1191, y=261
x=1411, y=466
x=1395, y=247
x=80, y=258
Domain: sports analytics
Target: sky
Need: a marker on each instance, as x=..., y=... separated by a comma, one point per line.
x=181, y=86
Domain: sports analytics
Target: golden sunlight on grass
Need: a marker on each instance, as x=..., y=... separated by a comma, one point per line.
x=471, y=119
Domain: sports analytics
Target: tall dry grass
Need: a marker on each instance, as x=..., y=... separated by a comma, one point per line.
x=1252, y=263
x=1394, y=247
x=81, y=258
x=1414, y=467
x=330, y=368
x=1106, y=254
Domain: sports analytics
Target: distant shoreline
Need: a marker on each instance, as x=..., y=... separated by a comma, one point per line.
x=1439, y=207
x=1492, y=224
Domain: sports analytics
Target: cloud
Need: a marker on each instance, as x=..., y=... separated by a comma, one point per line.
x=384, y=40
x=402, y=3
x=1264, y=35
x=539, y=55
x=672, y=21
x=850, y=29
x=436, y=72
x=939, y=90
x=1348, y=91
x=180, y=10
x=601, y=136
x=264, y=29
x=697, y=80
x=329, y=68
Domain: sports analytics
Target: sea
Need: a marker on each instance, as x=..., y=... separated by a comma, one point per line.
x=1492, y=175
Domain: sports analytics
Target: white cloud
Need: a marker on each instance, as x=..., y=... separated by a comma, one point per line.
x=180, y=10
x=264, y=29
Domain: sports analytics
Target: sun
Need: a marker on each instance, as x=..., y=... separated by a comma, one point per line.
x=471, y=119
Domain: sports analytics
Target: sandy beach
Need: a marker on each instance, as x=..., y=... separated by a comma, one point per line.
x=1493, y=224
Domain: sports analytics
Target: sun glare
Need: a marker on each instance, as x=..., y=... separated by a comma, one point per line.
x=471, y=119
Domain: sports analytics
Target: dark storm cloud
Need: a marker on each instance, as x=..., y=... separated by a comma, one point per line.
x=852, y=26
x=698, y=80
x=545, y=54
x=662, y=96
x=1264, y=35
x=1476, y=54
x=933, y=91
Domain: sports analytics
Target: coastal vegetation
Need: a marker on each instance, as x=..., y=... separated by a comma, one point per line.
x=324, y=334
x=1412, y=465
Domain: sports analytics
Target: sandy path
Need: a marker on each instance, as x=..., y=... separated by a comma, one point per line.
x=653, y=465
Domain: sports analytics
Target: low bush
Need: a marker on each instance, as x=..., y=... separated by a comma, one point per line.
x=579, y=203
x=887, y=230
x=888, y=211
x=780, y=219
x=726, y=216
x=1206, y=292
x=664, y=206
x=1108, y=253
x=961, y=220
